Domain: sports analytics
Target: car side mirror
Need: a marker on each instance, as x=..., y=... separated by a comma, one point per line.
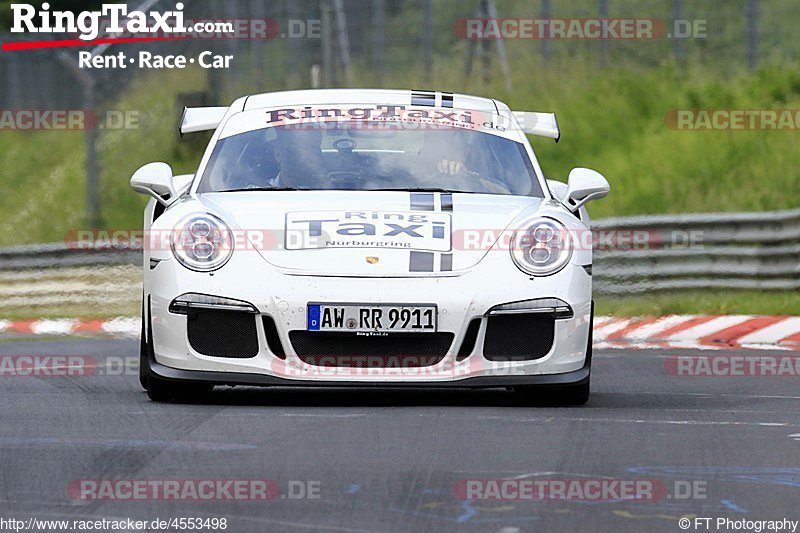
x=155, y=179
x=583, y=185
x=558, y=189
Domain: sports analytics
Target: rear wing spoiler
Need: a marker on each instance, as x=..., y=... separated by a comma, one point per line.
x=541, y=124
x=201, y=118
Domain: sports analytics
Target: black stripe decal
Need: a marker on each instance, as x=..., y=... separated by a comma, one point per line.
x=446, y=264
x=423, y=98
x=421, y=262
x=422, y=201
x=447, y=99
x=447, y=201
x=423, y=102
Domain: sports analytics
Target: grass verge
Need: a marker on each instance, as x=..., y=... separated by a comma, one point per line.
x=713, y=302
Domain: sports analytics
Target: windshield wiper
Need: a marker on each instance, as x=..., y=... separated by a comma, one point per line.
x=422, y=189
x=399, y=189
x=263, y=189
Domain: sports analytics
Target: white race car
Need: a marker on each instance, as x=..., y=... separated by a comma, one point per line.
x=367, y=238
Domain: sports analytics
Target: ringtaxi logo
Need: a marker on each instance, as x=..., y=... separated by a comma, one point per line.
x=87, y=24
x=391, y=117
x=117, y=22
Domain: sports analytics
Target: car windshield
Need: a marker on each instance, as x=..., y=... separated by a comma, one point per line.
x=367, y=155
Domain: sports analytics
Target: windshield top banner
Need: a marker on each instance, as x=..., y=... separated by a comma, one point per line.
x=379, y=117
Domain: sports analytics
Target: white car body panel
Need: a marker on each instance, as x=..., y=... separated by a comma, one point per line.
x=280, y=278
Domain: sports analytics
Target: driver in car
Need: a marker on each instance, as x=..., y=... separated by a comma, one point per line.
x=290, y=160
x=299, y=156
x=453, y=160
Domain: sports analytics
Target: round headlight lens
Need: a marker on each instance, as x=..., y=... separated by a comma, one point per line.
x=542, y=247
x=202, y=242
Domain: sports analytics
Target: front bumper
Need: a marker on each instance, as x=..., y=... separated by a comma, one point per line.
x=575, y=377
x=284, y=296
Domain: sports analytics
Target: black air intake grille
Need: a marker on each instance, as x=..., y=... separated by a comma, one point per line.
x=273, y=340
x=337, y=349
x=468, y=344
x=223, y=333
x=521, y=337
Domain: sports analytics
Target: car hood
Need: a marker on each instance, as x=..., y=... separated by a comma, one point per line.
x=368, y=233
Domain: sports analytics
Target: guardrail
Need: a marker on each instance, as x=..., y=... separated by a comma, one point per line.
x=700, y=251
x=632, y=254
x=63, y=255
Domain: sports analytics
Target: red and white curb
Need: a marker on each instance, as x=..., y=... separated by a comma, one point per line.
x=120, y=326
x=705, y=332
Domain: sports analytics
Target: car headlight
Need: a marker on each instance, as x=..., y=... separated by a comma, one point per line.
x=202, y=242
x=542, y=247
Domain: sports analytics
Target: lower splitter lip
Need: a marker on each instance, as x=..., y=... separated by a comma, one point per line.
x=576, y=377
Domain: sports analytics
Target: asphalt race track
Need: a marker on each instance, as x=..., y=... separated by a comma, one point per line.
x=388, y=460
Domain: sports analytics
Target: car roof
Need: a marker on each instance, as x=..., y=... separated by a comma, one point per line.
x=373, y=97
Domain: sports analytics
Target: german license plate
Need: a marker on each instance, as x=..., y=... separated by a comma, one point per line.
x=357, y=318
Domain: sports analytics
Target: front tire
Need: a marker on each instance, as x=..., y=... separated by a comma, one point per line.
x=143, y=351
x=566, y=395
x=574, y=395
x=158, y=389
x=548, y=396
